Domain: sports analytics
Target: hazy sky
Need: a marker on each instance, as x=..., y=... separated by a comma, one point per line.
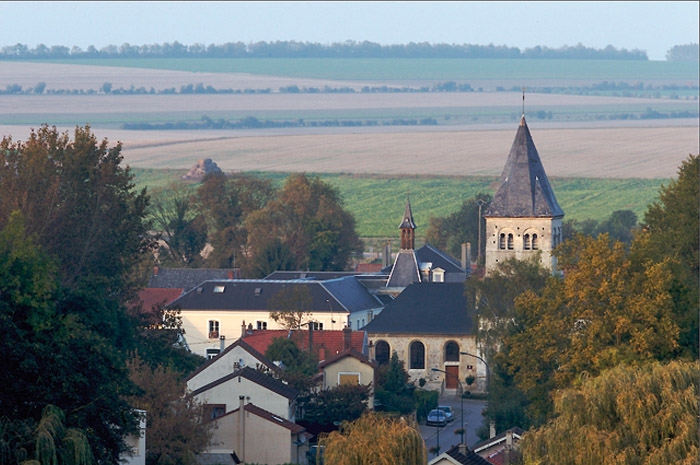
x=651, y=26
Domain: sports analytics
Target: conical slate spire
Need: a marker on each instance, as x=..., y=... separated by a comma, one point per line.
x=407, y=227
x=524, y=189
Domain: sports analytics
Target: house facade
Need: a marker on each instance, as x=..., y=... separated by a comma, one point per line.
x=349, y=367
x=524, y=219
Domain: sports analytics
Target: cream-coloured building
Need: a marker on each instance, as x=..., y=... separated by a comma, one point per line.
x=349, y=367
x=524, y=219
x=428, y=326
x=250, y=434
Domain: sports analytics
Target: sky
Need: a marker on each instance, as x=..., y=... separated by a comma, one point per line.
x=653, y=27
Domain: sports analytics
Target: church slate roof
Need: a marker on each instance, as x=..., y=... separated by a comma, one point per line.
x=524, y=189
x=405, y=270
x=429, y=308
x=407, y=222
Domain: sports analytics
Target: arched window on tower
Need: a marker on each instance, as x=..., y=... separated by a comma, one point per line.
x=417, y=356
x=510, y=241
x=502, y=241
x=534, y=242
x=526, y=242
x=381, y=352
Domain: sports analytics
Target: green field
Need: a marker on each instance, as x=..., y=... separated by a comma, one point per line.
x=377, y=202
x=418, y=68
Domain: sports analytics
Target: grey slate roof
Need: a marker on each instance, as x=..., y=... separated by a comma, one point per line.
x=465, y=456
x=257, y=377
x=344, y=294
x=429, y=308
x=405, y=270
x=187, y=278
x=438, y=258
x=524, y=189
x=407, y=222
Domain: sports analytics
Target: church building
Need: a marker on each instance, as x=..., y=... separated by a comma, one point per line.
x=524, y=218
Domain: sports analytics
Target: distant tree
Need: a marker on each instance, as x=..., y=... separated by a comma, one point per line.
x=375, y=439
x=644, y=414
x=274, y=256
x=291, y=306
x=620, y=226
x=39, y=87
x=687, y=52
x=106, y=88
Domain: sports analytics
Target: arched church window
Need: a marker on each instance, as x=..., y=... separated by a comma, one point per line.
x=417, y=356
x=502, y=241
x=526, y=242
x=534, y=242
x=452, y=352
x=381, y=352
x=510, y=241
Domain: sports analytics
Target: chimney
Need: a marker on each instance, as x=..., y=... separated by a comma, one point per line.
x=370, y=348
x=230, y=274
x=492, y=429
x=222, y=344
x=311, y=337
x=155, y=270
x=387, y=254
x=466, y=256
x=243, y=329
x=347, y=338
x=241, y=428
x=463, y=449
x=321, y=353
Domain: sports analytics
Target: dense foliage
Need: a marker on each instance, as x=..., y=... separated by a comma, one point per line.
x=294, y=49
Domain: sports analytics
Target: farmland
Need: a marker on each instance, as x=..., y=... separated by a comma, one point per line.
x=597, y=164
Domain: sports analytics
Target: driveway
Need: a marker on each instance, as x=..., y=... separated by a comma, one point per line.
x=446, y=435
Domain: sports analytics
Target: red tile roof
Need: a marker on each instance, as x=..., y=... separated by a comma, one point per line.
x=151, y=297
x=326, y=343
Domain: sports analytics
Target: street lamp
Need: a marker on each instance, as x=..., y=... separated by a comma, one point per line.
x=488, y=371
x=461, y=401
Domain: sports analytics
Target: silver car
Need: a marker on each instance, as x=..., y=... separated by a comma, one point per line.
x=448, y=412
x=436, y=417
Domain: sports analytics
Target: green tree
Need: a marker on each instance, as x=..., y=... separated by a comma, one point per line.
x=177, y=429
x=52, y=352
x=342, y=403
x=450, y=232
x=393, y=392
x=227, y=201
x=273, y=256
x=308, y=216
x=671, y=230
x=605, y=311
x=79, y=203
x=183, y=228
x=375, y=439
x=620, y=226
x=643, y=414
x=299, y=366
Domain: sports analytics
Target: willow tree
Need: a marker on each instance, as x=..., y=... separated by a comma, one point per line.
x=377, y=440
x=645, y=414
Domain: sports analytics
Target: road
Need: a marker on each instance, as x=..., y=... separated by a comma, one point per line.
x=446, y=435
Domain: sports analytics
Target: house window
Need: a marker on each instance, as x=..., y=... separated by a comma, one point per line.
x=262, y=325
x=381, y=352
x=438, y=275
x=452, y=352
x=502, y=241
x=352, y=379
x=213, y=329
x=510, y=241
x=534, y=242
x=213, y=411
x=526, y=242
x=316, y=326
x=417, y=356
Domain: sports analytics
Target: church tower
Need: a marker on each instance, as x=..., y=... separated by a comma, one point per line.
x=524, y=218
x=405, y=270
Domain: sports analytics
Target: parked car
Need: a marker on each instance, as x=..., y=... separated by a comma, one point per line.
x=314, y=456
x=436, y=417
x=448, y=412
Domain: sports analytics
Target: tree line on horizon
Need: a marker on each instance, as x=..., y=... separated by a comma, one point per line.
x=347, y=49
